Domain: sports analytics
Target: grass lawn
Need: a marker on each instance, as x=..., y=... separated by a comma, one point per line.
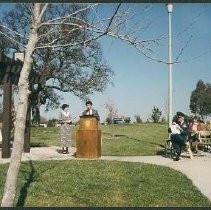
x=86, y=183
x=134, y=139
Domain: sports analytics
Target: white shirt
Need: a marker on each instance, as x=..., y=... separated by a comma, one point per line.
x=175, y=129
x=89, y=112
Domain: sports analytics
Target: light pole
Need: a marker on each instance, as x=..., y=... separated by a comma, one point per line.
x=170, y=9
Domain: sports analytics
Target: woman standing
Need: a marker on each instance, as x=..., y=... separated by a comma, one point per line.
x=65, y=120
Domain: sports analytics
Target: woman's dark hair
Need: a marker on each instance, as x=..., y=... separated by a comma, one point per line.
x=88, y=102
x=64, y=106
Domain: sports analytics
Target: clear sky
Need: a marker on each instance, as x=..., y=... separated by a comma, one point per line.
x=140, y=83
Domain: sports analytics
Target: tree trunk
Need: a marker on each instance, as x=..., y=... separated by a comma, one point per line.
x=12, y=174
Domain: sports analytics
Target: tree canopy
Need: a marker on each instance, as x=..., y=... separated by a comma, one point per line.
x=200, y=100
x=156, y=114
x=66, y=63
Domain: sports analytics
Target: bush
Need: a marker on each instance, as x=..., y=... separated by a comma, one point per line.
x=156, y=114
x=52, y=122
x=109, y=120
x=138, y=118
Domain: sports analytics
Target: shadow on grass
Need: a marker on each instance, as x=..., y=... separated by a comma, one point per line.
x=148, y=142
x=159, y=152
x=38, y=145
x=24, y=189
x=32, y=176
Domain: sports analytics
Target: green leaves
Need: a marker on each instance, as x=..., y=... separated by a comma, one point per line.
x=156, y=114
x=200, y=100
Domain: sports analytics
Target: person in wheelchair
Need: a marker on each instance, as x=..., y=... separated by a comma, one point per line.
x=179, y=133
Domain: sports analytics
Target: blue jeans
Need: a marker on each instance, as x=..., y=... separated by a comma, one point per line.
x=178, y=142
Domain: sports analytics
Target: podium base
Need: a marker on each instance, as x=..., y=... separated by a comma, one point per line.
x=88, y=143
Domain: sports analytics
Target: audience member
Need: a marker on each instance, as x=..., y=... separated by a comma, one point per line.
x=179, y=139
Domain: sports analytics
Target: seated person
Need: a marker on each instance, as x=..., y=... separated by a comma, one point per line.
x=179, y=139
x=194, y=127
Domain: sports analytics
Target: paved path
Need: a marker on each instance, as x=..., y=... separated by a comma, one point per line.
x=197, y=169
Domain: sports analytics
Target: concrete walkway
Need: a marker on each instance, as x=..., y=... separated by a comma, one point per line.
x=197, y=169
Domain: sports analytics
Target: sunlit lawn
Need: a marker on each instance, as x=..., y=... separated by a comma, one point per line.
x=134, y=139
x=86, y=183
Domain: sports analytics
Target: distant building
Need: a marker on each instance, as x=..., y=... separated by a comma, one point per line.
x=121, y=120
x=118, y=120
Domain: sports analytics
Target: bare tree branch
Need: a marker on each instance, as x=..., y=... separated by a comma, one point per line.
x=13, y=40
x=116, y=19
x=66, y=17
x=42, y=12
x=3, y=26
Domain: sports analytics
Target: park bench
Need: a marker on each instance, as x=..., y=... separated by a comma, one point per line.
x=205, y=139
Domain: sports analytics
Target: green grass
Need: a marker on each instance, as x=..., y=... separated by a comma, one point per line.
x=41, y=136
x=134, y=139
x=86, y=183
x=137, y=139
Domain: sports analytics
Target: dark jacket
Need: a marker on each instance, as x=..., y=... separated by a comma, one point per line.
x=94, y=113
x=184, y=128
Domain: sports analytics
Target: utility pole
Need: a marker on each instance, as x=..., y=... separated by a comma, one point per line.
x=170, y=91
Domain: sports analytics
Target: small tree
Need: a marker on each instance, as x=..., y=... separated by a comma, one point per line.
x=200, y=100
x=109, y=120
x=127, y=119
x=147, y=121
x=138, y=118
x=163, y=120
x=52, y=122
x=111, y=112
x=156, y=114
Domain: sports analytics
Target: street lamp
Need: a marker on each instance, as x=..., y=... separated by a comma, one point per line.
x=170, y=9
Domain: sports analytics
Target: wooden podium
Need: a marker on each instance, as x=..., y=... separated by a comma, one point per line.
x=88, y=138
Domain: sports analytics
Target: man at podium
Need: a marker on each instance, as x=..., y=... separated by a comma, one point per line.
x=90, y=111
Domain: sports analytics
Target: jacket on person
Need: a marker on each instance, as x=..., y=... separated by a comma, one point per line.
x=184, y=127
x=94, y=113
